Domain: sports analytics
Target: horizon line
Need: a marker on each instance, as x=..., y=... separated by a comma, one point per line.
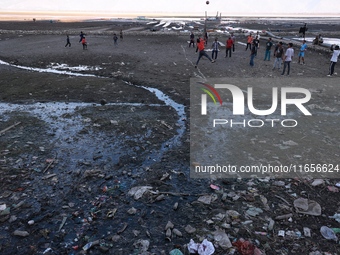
x=154, y=15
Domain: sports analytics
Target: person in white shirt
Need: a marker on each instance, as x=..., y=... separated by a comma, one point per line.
x=288, y=57
x=334, y=60
x=215, y=49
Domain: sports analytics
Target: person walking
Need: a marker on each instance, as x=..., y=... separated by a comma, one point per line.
x=115, y=39
x=253, y=50
x=229, y=45
x=302, y=51
x=215, y=49
x=192, y=40
x=84, y=43
x=234, y=41
x=81, y=35
x=288, y=57
x=278, y=53
x=269, y=45
x=68, y=43
x=202, y=52
x=249, y=41
x=334, y=59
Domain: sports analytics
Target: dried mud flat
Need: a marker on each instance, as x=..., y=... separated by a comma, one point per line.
x=73, y=145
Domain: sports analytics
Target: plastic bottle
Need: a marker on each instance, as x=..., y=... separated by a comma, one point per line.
x=87, y=246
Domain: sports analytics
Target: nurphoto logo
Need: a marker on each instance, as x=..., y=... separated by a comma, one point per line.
x=239, y=104
x=258, y=127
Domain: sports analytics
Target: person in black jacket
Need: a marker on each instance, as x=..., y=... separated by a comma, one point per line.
x=81, y=35
x=68, y=43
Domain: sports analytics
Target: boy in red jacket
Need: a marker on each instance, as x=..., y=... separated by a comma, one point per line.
x=84, y=43
x=229, y=45
x=202, y=52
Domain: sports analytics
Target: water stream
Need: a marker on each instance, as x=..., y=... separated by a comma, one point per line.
x=66, y=129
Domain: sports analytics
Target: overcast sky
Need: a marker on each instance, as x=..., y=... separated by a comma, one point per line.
x=226, y=7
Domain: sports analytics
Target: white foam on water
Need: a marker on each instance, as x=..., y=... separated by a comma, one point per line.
x=73, y=68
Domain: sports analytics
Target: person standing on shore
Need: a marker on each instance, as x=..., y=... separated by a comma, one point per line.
x=288, y=58
x=303, y=49
x=256, y=42
x=121, y=34
x=202, y=52
x=206, y=37
x=278, y=52
x=234, y=41
x=84, y=43
x=269, y=45
x=334, y=60
x=115, y=39
x=81, y=35
x=253, y=50
x=229, y=45
x=215, y=49
x=68, y=43
x=249, y=41
x=258, y=35
x=192, y=40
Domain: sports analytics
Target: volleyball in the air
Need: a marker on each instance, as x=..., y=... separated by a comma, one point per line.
x=207, y=2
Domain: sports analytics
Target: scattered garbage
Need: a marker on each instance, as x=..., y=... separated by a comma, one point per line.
x=336, y=230
x=21, y=233
x=271, y=224
x=336, y=216
x=328, y=233
x=175, y=252
x=2, y=207
x=204, y=248
x=254, y=211
x=317, y=182
x=206, y=199
x=132, y=211
x=281, y=233
x=47, y=250
x=189, y=229
x=290, y=143
x=142, y=245
x=169, y=225
x=177, y=232
x=305, y=206
x=90, y=244
x=214, y=187
x=332, y=189
x=222, y=239
x=137, y=192
x=307, y=232
x=245, y=247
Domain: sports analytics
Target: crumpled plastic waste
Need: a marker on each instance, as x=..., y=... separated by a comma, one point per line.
x=137, y=192
x=328, y=233
x=244, y=247
x=310, y=207
x=204, y=248
x=247, y=248
x=336, y=216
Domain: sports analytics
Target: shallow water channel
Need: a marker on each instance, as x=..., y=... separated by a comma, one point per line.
x=56, y=116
